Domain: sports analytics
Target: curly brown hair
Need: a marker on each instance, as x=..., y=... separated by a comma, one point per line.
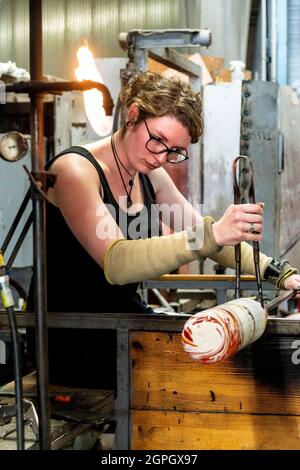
x=158, y=96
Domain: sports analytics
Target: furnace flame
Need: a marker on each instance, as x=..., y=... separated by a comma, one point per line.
x=93, y=99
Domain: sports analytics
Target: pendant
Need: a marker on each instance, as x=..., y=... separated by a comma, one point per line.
x=129, y=202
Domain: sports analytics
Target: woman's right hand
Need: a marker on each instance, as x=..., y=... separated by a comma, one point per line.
x=243, y=222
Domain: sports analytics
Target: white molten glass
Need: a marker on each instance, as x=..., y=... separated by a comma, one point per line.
x=215, y=334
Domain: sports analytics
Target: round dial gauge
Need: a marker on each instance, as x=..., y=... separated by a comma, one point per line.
x=13, y=146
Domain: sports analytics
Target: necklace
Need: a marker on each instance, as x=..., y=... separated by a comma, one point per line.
x=118, y=163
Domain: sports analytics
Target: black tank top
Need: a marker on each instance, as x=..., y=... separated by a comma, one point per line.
x=76, y=283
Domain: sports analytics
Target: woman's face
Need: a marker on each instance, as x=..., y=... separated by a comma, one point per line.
x=167, y=130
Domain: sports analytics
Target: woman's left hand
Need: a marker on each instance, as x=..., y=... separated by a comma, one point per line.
x=293, y=282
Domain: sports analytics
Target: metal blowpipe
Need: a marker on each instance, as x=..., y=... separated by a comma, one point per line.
x=281, y=298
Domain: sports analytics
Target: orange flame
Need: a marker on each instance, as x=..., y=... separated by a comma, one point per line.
x=93, y=99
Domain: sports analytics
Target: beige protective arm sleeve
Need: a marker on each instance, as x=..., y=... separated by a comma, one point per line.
x=129, y=261
x=226, y=257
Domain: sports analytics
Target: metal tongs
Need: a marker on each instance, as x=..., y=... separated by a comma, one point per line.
x=243, y=187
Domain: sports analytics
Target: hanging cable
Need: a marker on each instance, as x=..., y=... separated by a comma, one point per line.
x=8, y=304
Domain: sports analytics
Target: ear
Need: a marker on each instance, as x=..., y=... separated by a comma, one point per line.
x=133, y=113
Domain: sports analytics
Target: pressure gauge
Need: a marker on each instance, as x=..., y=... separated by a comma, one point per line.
x=13, y=146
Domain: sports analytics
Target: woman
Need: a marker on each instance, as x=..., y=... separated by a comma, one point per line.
x=101, y=222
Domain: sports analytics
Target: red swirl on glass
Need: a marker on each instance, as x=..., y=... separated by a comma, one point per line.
x=215, y=334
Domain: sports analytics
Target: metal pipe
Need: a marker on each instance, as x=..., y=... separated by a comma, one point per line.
x=39, y=86
x=18, y=376
x=263, y=31
x=39, y=236
x=143, y=39
x=8, y=303
x=278, y=300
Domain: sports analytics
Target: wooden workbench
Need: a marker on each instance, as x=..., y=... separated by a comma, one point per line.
x=165, y=400
x=251, y=401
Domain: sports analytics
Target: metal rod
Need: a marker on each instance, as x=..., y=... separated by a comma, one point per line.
x=162, y=300
x=8, y=303
x=15, y=222
x=244, y=192
x=237, y=250
x=39, y=86
x=18, y=376
x=19, y=242
x=256, y=259
x=39, y=236
x=175, y=60
x=278, y=300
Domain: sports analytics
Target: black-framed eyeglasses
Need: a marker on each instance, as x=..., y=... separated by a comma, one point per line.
x=157, y=146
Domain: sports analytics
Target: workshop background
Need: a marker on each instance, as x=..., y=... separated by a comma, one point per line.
x=249, y=76
x=269, y=48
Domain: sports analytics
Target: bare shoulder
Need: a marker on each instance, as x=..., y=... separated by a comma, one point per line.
x=72, y=165
x=76, y=193
x=74, y=173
